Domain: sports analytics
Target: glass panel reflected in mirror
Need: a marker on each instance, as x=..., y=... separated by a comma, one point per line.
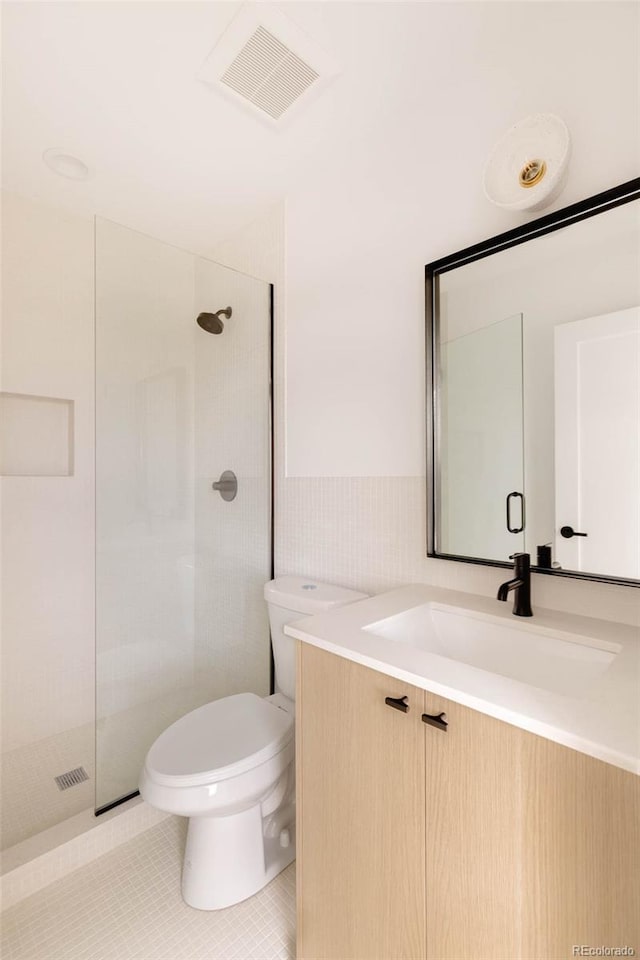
x=482, y=442
x=535, y=410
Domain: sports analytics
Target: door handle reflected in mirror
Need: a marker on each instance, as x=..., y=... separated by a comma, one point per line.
x=521, y=527
x=568, y=532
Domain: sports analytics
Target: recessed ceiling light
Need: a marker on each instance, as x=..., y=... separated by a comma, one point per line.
x=66, y=165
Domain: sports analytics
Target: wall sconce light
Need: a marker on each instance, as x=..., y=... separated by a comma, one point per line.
x=527, y=168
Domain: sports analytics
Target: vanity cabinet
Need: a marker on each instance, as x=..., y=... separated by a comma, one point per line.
x=360, y=843
x=481, y=842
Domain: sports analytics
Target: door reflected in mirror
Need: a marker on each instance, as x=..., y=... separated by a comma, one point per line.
x=534, y=401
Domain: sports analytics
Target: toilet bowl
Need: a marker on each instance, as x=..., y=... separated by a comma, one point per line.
x=229, y=767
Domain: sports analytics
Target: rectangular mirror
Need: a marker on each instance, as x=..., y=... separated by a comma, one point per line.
x=533, y=374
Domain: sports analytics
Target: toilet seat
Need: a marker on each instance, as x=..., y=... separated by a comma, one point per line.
x=220, y=740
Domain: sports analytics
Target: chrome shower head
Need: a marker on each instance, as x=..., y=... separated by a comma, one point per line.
x=211, y=322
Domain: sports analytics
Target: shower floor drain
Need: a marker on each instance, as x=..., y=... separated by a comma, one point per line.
x=71, y=778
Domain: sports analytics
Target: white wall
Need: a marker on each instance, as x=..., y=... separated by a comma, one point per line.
x=360, y=233
x=47, y=529
x=370, y=532
x=358, y=237
x=47, y=521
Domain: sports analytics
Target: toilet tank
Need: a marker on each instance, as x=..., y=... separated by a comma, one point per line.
x=292, y=598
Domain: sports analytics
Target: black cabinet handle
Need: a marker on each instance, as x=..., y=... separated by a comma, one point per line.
x=568, y=532
x=398, y=703
x=438, y=720
x=509, y=527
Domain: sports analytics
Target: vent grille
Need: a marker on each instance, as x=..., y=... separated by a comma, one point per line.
x=71, y=778
x=268, y=74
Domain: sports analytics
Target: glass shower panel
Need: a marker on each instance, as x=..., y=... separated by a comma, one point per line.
x=180, y=618
x=233, y=552
x=481, y=441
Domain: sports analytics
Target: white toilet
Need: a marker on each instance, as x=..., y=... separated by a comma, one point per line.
x=228, y=766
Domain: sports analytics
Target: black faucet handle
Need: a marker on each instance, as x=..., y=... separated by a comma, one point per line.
x=522, y=566
x=520, y=584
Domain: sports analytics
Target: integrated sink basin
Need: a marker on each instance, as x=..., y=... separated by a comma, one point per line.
x=563, y=676
x=556, y=661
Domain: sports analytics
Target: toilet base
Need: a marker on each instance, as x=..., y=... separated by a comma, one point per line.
x=228, y=859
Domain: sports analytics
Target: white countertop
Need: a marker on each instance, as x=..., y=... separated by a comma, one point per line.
x=604, y=722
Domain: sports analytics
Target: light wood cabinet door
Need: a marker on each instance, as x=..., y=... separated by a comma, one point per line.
x=532, y=848
x=472, y=836
x=481, y=842
x=360, y=816
x=580, y=852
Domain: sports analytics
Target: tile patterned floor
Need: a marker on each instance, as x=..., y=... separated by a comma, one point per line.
x=127, y=906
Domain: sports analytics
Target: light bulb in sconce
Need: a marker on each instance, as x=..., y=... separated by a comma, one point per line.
x=527, y=168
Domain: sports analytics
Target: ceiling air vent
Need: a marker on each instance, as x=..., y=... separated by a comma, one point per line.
x=268, y=74
x=265, y=61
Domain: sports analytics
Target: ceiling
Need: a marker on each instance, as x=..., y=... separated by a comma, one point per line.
x=115, y=84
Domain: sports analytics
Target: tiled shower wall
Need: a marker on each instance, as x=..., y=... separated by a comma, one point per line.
x=48, y=627
x=47, y=522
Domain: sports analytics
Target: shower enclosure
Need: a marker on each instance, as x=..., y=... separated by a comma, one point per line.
x=183, y=409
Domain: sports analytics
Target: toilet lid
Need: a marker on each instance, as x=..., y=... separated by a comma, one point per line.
x=220, y=740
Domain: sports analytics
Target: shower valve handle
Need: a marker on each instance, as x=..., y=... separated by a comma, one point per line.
x=227, y=485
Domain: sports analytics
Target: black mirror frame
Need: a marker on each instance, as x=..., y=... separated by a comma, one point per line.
x=624, y=193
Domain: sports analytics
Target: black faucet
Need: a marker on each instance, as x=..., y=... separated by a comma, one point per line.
x=521, y=586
